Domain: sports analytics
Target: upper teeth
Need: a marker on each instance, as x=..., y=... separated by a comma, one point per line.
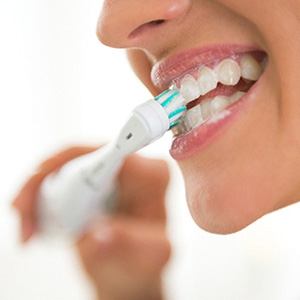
x=251, y=69
x=190, y=89
x=207, y=80
x=227, y=72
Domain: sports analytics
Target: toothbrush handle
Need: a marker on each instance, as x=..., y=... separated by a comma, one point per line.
x=78, y=192
x=81, y=190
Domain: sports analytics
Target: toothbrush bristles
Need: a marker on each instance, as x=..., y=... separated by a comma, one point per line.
x=173, y=103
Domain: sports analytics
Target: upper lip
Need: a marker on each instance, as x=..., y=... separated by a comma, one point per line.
x=174, y=66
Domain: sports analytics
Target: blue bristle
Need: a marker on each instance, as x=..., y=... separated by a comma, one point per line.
x=177, y=112
x=166, y=100
x=157, y=98
x=174, y=124
x=170, y=99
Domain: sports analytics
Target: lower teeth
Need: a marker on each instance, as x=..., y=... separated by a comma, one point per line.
x=205, y=111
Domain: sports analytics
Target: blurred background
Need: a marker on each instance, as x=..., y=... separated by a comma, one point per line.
x=59, y=86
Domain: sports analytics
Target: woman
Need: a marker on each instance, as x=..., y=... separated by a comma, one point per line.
x=240, y=164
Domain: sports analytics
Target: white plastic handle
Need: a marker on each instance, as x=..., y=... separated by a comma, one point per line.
x=78, y=192
x=83, y=188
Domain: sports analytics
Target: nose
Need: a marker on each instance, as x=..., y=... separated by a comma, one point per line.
x=129, y=23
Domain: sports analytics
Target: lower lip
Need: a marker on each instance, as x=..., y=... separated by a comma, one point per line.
x=196, y=140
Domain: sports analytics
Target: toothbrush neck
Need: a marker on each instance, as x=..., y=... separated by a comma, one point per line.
x=134, y=135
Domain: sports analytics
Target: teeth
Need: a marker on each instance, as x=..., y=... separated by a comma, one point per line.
x=219, y=103
x=193, y=117
x=207, y=80
x=189, y=88
x=205, y=109
x=228, y=72
x=236, y=96
x=251, y=69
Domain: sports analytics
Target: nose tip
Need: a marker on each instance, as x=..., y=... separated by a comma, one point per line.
x=124, y=23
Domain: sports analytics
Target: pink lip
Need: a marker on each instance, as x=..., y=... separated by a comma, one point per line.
x=167, y=70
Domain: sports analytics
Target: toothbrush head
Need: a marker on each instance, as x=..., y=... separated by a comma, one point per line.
x=151, y=120
x=161, y=113
x=173, y=104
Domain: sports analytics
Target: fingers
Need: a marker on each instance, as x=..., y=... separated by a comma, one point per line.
x=25, y=201
x=62, y=157
x=25, y=205
x=143, y=185
x=126, y=237
x=122, y=248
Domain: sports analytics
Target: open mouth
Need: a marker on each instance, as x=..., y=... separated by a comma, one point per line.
x=213, y=82
x=210, y=91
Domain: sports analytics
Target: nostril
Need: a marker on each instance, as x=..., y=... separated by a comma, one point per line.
x=145, y=27
x=156, y=22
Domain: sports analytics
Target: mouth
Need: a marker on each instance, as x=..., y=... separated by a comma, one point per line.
x=215, y=83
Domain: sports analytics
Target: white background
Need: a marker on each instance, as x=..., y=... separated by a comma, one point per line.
x=59, y=86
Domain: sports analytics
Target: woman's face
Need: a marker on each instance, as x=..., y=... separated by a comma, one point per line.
x=244, y=160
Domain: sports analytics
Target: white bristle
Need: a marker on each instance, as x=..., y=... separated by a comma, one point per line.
x=175, y=104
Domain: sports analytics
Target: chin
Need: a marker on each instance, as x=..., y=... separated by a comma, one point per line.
x=224, y=210
x=227, y=220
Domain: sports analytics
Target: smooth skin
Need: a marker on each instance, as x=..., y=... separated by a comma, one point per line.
x=252, y=169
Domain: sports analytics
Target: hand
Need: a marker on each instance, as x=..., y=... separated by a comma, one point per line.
x=125, y=253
